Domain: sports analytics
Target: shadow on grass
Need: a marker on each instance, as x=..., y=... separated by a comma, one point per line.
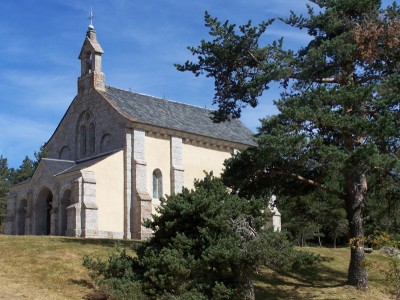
x=94, y=294
x=103, y=242
x=82, y=282
x=283, y=285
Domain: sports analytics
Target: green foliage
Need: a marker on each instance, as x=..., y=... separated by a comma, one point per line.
x=383, y=207
x=27, y=168
x=207, y=244
x=196, y=247
x=393, y=275
x=229, y=51
x=317, y=215
x=338, y=113
x=116, y=278
x=381, y=239
x=24, y=172
x=42, y=153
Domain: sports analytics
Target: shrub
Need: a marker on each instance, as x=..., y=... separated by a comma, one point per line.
x=207, y=244
x=118, y=277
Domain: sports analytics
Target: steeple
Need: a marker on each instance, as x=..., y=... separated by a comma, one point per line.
x=91, y=75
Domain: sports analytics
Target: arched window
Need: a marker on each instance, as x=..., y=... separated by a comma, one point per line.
x=65, y=153
x=105, y=144
x=157, y=184
x=86, y=135
x=83, y=140
x=91, y=138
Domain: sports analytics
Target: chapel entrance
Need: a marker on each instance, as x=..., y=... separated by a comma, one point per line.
x=43, y=212
x=21, y=215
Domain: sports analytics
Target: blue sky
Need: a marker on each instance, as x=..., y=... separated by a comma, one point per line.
x=41, y=40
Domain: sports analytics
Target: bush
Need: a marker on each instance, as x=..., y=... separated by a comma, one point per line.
x=118, y=277
x=207, y=244
x=383, y=239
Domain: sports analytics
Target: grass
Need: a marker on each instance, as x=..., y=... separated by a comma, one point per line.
x=47, y=267
x=326, y=280
x=51, y=268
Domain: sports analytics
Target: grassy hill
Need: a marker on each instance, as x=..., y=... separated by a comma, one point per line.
x=51, y=268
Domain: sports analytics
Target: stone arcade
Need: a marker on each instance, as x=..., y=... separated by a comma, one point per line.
x=112, y=157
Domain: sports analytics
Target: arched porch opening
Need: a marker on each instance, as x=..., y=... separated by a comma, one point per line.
x=65, y=202
x=43, y=208
x=21, y=216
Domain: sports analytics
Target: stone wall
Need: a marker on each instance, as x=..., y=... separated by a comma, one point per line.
x=109, y=128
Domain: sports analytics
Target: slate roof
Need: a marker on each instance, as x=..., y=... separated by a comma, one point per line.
x=57, y=165
x=22, y=182
x=87, y=162
x=54, y=165
x=174, y=115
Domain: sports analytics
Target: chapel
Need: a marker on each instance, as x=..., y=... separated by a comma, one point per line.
x=113, y=155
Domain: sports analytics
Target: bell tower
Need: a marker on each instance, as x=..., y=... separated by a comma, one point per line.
x=92, y=76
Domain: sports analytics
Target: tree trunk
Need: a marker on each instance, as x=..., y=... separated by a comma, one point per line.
x=249, y=290
x=334, y=240
x=319, y=239
x=243, y=278
x=356, y=188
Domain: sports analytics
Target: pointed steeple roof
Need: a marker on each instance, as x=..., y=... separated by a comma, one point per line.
x=92, y=76
x=90, y=44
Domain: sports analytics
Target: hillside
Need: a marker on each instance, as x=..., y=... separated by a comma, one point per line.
x=51, y=268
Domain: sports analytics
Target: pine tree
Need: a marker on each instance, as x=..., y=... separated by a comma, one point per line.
x=24, y=172
x=27, y=168
x=339, y=109
x=207, y=244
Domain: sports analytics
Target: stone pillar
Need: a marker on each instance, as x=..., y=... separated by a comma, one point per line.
x=63, y=203
x=89, y=207
x=128, y=183
x=177, y=170
x=29, y=215
x=74, y=227
x=54, y=210
x=10, y=226
x=142, y=200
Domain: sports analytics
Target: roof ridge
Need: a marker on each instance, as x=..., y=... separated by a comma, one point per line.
x=89, y=158
x=56, y=159
x=162, y=99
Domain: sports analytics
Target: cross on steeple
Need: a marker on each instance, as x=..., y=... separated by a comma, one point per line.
x=91, y=17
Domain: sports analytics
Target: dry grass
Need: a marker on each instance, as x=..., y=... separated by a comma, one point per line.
x=51, y=268
x=326, y=280
x=47, y=267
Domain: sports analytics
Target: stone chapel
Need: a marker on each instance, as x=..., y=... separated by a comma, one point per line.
x=113, y=155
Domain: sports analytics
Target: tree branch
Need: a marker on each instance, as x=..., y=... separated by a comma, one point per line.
x=316, y=80
x=255, y=58
x=369, y=78
x=310, y=182
x=326, y=80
